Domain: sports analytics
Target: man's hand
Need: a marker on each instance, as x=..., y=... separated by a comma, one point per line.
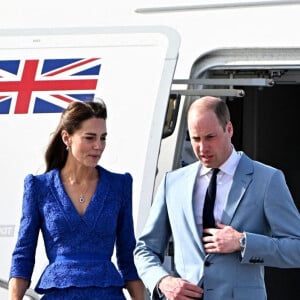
x=176, y=288
x=223, y=239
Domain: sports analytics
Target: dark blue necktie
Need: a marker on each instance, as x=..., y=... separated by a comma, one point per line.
x=209, y=202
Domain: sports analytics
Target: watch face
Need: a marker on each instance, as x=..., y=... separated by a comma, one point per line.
x=243, y=241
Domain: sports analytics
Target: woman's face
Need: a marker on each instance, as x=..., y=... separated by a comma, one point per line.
x=87, y=144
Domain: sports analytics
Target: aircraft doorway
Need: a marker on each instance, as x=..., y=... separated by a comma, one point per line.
x=266, y=123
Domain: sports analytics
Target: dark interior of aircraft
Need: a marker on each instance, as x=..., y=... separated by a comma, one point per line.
x=267, y=123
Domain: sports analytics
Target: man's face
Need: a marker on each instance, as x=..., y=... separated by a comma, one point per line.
x=210, y=142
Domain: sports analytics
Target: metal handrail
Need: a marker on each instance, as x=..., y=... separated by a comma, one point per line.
x=29, y=293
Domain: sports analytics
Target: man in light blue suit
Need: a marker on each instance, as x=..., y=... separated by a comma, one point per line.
x=257, y=222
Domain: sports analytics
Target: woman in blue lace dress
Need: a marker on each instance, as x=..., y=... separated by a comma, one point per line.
x=83, y=211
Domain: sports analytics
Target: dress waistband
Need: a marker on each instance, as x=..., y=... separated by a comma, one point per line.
x=81, y=257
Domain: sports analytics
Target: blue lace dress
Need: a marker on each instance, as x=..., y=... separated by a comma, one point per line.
x=79, y=248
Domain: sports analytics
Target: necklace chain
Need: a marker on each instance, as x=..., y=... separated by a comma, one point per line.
x=73, y=183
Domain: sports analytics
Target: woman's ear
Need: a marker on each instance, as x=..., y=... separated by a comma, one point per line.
x=66, y=138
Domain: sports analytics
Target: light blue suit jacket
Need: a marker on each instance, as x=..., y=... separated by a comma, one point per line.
x=259, y=203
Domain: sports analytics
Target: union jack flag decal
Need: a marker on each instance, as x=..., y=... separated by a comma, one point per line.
x=46, y=85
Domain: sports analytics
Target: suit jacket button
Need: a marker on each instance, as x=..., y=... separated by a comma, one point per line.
x=206, y=263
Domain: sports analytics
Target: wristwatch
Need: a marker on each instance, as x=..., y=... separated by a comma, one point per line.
x=243, y=242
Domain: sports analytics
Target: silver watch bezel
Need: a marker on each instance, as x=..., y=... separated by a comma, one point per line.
x=242, y=241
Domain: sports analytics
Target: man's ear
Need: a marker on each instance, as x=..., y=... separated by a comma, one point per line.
x=229, y=128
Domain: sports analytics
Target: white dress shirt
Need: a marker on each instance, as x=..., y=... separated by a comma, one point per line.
x=224, y=182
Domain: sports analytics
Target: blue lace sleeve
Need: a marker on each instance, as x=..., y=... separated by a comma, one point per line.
x=125, y=241
x=23, y=257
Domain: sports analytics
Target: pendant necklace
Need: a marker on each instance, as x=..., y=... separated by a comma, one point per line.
x=81, y=197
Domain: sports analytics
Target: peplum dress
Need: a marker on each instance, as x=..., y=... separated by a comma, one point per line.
x=79, y=248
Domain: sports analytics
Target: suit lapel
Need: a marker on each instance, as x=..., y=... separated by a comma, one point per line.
x=241, y=180
x=188, y=188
